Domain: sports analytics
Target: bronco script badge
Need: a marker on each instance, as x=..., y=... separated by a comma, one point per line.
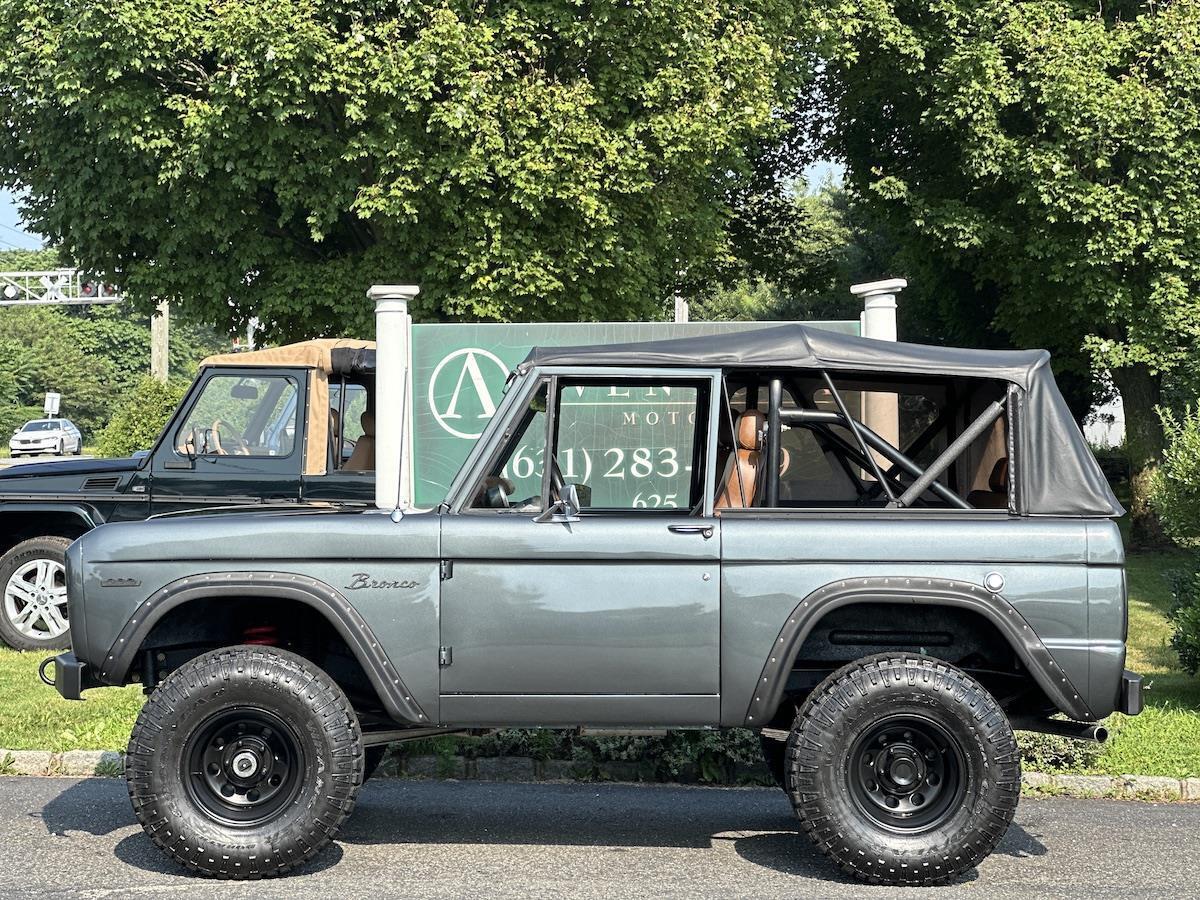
x=362, y=581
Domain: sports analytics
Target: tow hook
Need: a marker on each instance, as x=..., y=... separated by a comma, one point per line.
x=48, y=661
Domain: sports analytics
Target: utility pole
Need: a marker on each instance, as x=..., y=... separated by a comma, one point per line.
x=160, y=342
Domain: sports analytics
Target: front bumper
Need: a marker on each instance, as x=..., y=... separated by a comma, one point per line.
x=71, y=677
x=1129, y=701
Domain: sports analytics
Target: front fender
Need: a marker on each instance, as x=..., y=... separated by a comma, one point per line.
x=354, y=630
x=932, y=591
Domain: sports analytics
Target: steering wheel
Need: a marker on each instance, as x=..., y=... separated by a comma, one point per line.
x=242, y=449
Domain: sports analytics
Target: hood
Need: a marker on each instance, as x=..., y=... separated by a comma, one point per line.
x=69, y=467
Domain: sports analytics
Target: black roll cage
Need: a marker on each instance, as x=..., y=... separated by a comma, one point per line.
x=866, y=440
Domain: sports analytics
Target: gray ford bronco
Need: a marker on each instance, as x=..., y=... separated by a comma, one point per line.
x=881, y=557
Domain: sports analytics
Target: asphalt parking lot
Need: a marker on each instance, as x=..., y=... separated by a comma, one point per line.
x=66, y=837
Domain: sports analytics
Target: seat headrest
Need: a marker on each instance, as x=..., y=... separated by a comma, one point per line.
x=749, y=430
x=998, y=480
x=367, y=421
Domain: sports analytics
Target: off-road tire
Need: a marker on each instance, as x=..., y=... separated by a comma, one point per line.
x=232, y=682
x=853, y=704
x=51, y=547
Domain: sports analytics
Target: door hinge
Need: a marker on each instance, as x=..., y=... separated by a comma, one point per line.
x=445, y=656
x=447, y=569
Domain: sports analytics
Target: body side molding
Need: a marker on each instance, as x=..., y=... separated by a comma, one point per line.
x=353, y=629
x=929, y=591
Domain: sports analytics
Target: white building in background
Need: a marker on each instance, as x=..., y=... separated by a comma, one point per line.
x=1105, y=426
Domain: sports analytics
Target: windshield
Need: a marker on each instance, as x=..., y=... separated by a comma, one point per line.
x=40, y=426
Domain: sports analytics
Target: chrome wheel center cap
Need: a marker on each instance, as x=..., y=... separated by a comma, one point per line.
x=245, y=764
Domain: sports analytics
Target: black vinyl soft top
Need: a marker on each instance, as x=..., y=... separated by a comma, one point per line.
x=1054, y=470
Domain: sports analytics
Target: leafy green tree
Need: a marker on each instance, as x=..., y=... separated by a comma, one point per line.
x=138, y=420
x=531, y=159
x=1045, y=156
x=796, y=255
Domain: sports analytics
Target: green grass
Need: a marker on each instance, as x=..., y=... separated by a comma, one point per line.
x=34, y=717
x=1163, y=740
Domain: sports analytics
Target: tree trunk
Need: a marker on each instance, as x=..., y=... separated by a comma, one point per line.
x=1141, y=392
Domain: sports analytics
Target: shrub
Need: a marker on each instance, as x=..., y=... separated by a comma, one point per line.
x=1175, y=494
x=1175, y=491
x=1185, y=613
x=140, y=417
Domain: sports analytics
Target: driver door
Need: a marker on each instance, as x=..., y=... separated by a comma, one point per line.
x=240, y=441
x=608, y=615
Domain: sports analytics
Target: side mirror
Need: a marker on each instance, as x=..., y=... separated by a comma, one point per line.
x=565, y=508
x=570, y=501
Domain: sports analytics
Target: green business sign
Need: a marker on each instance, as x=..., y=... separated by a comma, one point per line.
x=458, y=379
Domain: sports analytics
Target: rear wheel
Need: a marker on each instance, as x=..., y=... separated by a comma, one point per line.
x=34, y=581
x=903, y=770
x=244, y=762
x=62, y=448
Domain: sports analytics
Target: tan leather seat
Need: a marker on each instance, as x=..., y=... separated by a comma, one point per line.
x=996, y=497
x=740, y=479
x=363, y=457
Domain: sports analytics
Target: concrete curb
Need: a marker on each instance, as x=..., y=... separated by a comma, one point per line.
x=110, y=763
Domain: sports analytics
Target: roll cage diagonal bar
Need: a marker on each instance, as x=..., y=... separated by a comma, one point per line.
x=900, y=461
x=854, y=430
x=982, y=423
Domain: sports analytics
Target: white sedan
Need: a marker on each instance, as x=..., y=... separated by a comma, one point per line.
x=57, y=436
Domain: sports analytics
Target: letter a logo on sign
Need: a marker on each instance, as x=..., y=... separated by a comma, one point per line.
x=468, y=405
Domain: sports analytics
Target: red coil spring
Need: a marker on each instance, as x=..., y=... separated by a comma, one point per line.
x=266, y=635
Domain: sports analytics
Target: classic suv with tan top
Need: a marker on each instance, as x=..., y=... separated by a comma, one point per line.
x=806, y=553
x=256, y=427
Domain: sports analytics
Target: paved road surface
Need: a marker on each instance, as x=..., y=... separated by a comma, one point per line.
x=64, y=837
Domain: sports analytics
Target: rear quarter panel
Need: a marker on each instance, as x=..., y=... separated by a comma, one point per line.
x=771, y=563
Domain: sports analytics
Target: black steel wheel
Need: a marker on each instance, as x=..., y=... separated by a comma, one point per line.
x=903, y=770
x=244, y=762
x=243, y=765
x=906, y=773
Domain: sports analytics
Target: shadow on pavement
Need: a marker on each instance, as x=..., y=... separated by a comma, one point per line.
x=758, y=823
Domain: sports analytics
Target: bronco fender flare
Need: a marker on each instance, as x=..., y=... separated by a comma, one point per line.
x=995, y=608
x=340, y=613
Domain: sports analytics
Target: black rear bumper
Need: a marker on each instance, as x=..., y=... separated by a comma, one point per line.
x=71, y=676
x=1130, y=699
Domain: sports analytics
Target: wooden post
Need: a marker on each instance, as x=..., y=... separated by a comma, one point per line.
x=160, y=343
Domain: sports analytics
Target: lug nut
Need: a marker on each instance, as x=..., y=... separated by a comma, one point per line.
x=213, y=768
x=933, y=778
x=227, y=790
x=917, y=799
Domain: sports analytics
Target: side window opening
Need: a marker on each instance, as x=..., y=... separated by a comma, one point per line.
x=513, y=481
x=351, y=427
x=241, y=416
x=632, y=443
x=821, y=462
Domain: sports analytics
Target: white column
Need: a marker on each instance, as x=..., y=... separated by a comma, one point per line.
x=879, y=307
x=879, y=410
x=393, y=394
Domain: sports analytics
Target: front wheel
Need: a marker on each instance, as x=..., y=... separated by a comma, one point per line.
x=903, y=770
x=244, y=762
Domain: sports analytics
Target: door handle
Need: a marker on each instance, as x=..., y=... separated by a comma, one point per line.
x=706, y=530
